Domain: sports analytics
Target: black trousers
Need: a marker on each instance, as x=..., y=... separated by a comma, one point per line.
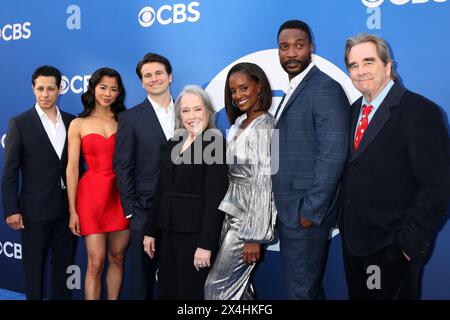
x=177, y=277
x=37, y=239
x=142, y=268
x=399, y=278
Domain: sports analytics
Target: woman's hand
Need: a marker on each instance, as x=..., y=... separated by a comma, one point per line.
x=149, y=246
x=74, y=224
x=251, y=252
x=202, y=258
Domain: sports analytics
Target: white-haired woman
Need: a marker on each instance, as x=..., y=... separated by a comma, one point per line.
x=185, y=221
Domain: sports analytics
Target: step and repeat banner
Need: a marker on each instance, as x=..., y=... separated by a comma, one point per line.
x=203, y=39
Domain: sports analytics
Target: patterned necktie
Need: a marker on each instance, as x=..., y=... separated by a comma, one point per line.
x=362, y=126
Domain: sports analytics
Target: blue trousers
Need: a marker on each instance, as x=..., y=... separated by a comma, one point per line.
x=142, y=268
x=304, y=254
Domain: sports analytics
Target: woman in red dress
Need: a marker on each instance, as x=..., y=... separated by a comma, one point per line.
x=94, y=203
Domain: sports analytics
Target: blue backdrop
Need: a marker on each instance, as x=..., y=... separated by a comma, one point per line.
x=202, y=39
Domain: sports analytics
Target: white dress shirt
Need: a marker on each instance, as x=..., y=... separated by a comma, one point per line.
x=293, y=84
x=56, y=132
x=166, y=119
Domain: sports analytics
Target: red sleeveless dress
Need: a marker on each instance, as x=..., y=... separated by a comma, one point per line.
x=98, y=200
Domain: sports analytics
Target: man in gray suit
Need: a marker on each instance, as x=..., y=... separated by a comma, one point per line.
x=312, y=122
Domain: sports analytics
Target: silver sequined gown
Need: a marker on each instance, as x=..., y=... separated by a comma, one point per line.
x=249, y=207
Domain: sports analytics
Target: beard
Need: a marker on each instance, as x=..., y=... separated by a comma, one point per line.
x=301, y=66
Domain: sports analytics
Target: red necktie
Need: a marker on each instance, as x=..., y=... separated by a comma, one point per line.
x=362, y=126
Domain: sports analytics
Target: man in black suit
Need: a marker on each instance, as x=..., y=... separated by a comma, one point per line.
x=396, y=180
x=141, y=138
x=36, y=150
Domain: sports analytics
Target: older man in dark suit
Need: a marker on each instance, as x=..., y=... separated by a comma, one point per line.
x=141, y=138
x=312, y=122
x=396, y=180
x=36, y=151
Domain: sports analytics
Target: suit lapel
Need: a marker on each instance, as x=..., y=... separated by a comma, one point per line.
x=66, y=119
x=41, y=133
x=279, y=106
x=299, y=89
x=150, y=116
x=380, y=118
x=356, y=109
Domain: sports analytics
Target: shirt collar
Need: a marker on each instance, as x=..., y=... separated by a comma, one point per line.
x=298, y=78
x=157, y=107
x=41, y=113
x=380, y=97
x=240, y=119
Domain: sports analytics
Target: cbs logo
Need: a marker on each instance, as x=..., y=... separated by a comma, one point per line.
x=11, y=250
x=15, y=31
x=76, y=84
x=377, y=3
x=166, y=14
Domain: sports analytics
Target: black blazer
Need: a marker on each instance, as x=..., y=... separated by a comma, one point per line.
x=28, y=151
x=396, y=185
x=188, y=194
x=140, y=142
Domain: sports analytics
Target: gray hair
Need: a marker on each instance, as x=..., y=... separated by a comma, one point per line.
x=380, y=44
x=201, y=93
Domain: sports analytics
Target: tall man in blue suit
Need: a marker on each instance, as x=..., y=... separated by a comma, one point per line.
x=396, y=180
x=312, y=120
x=36, y=156
x=141, y=138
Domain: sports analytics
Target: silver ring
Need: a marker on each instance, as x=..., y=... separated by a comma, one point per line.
x=200, y=265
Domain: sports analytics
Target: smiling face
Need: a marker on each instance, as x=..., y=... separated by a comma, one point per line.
x=46, y=92
x=193, y=113
x=155, y=79
x=245, y=92
x=368, y=73
x=106, y=91
x=294, y=51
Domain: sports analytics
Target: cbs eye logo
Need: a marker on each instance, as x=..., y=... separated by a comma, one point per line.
x=64, y=85
x=147, y=16
x=169, y=14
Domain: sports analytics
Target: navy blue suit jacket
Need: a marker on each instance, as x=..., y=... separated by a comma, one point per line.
x=140, y=143
x=312, y=133
x=396, y=185
x=28, y=151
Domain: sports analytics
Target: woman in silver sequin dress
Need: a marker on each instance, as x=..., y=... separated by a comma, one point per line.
x=248, y=204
